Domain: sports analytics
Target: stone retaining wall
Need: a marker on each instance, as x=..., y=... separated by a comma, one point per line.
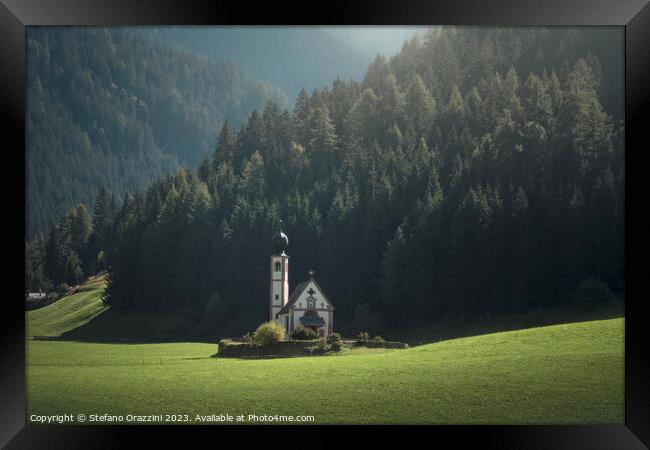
x=380, y=344
x=238, y=348
x=233, y=349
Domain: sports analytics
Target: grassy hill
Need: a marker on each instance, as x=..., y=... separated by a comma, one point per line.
x=70, y=312
x=83, y=316
x=562, y=374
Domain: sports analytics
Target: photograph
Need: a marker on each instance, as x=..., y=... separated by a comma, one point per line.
x=376, y=217
x=324, y=225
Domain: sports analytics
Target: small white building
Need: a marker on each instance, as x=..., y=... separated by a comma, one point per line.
x=308, y=306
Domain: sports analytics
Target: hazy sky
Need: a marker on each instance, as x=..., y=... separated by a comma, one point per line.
x=292, y=57
x=371, y=40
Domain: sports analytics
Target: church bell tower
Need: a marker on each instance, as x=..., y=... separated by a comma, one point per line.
x=279, y=276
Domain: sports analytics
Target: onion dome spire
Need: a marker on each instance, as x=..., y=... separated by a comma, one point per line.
x=280, y=241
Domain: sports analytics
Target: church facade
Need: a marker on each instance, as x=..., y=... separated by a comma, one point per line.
x=307, y=306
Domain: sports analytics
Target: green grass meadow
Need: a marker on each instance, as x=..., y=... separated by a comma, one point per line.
x=68, y=313
x=561, y=374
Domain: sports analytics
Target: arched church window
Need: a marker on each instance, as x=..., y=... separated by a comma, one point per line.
x=278, y=266
x=311, y=302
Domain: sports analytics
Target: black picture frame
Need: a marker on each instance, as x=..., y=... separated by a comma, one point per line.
x=633, y=15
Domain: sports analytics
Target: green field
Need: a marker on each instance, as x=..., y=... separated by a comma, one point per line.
x=565, y=374
x=68, y=313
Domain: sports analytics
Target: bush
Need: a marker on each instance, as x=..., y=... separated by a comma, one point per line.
x=248, y=337
x=378, y=339
x=304, y=334
x=268, y=333
x=363, y=336
x=62, y=288
x=336, y=346
x=317, y=348
x=334, y=337
x=591, y=293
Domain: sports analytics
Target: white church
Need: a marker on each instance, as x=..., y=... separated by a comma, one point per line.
x=308, y=306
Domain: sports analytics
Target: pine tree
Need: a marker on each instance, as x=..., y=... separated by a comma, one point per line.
x=252, y=179
x=420, y=106
x=35, y=279
x=362, y=122
x=456, y=106
x=81, y=227
x=225, y=145
x=377, y=74
x=322, y=142
x=537, y=102
x=301, y=114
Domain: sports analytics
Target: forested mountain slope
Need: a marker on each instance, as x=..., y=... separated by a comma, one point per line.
x=290, y=57
x=108, y=108
x=479, y=171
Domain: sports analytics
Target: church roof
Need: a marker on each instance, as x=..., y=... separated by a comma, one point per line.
x=280, y=242
x=299, y=290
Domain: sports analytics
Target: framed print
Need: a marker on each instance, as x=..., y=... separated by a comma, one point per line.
x=413, y=215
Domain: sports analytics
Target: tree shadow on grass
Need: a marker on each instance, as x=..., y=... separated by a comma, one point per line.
x=445, y=329
x=114, y=327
